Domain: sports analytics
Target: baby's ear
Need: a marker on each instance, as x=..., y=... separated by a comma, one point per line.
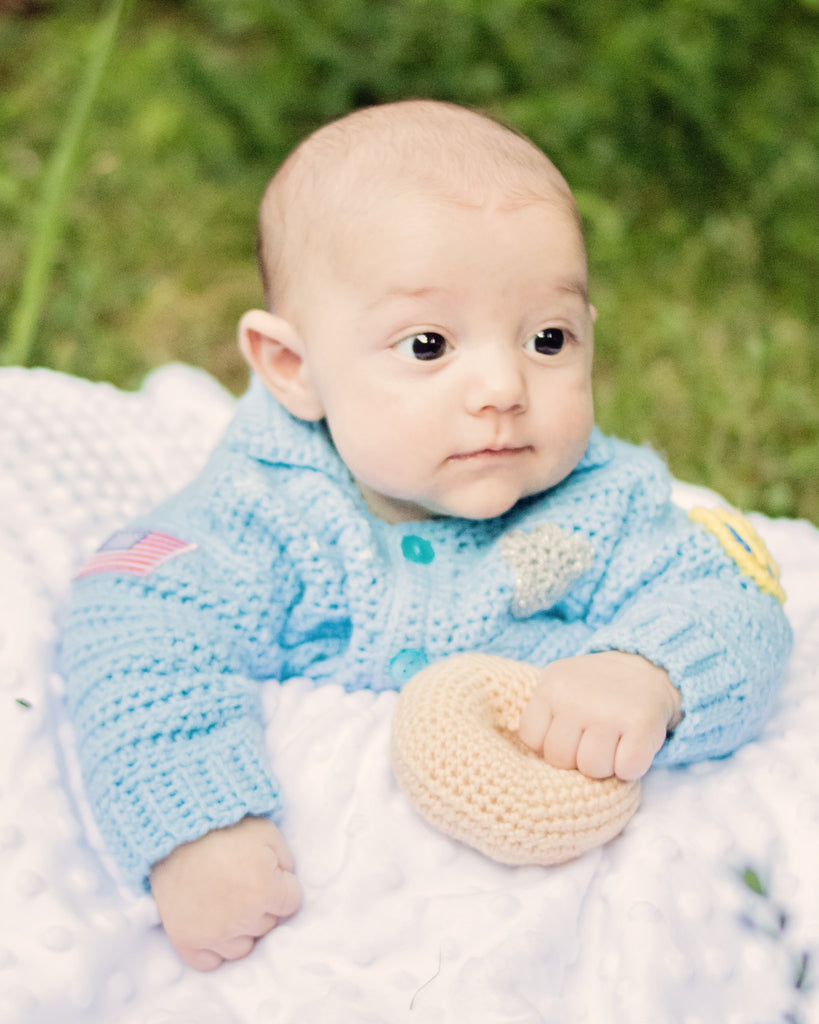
x=275, y=351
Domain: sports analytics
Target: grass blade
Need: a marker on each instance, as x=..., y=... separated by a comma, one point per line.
x=58, y=175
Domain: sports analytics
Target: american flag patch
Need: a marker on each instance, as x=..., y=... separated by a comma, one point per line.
x=137, y=552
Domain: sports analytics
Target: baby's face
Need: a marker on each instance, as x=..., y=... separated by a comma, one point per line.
x=451, y=351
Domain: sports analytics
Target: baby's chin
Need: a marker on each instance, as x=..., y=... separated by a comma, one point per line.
x=396, y=511
x=477, y=507
x=489, y=500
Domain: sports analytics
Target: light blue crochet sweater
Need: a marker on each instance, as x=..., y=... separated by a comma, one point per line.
x=292, y=576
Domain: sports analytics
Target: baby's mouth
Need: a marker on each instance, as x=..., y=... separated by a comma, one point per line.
x=494, y=451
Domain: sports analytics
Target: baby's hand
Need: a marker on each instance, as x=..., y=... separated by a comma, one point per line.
x=604, y=714
x=219, y=894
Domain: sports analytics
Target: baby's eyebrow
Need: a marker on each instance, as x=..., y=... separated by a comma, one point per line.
x=573, y=286
x=401, y=291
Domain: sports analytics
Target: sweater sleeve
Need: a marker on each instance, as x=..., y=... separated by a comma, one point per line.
x=162, y=649
x=673, y=594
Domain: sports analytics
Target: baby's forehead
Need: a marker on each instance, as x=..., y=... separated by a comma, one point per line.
x=446, y=150
x=342, y=171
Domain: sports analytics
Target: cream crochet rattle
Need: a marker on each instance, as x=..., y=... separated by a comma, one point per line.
x=457, y=756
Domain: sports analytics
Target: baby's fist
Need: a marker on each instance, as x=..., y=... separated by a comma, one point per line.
x=603, y=714
x=221, y=893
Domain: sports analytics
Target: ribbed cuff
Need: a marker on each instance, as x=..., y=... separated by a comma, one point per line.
x=179, y=791
x=713, y=681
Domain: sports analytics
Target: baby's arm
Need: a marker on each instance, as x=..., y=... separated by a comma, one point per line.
x=163, y=666
x=604, y=714
x=669, y=590
x=218, y=894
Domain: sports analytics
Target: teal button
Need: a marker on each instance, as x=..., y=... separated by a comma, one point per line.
x=406, y=663
x=416, y=549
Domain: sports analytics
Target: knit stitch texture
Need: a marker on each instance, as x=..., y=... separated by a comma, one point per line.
x=282, y=572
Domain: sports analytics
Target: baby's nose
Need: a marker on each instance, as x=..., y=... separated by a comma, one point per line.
x=498, y=382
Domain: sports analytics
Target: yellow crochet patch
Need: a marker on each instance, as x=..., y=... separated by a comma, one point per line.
x=744, y=545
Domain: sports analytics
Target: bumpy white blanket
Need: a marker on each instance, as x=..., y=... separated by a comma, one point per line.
x=400, y=924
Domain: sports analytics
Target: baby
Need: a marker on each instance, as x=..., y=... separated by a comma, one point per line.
x=413, y=473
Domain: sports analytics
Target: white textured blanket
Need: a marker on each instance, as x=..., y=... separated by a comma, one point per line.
x=400, y=924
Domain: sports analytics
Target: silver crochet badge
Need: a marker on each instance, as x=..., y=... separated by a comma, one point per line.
x=545, y=562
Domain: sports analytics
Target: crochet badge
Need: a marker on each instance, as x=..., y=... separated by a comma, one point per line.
x=742, y=543
x=545, y=562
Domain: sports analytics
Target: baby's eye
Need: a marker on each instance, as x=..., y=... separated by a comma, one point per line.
x=547, y=342
x=429, y=345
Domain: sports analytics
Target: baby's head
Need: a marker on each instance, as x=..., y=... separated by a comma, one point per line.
x=340, y=170
x=426, y=279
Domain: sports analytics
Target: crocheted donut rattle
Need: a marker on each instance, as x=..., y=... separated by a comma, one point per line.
x=458, y=759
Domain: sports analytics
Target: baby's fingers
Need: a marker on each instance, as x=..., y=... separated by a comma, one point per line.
x=635, y=752
x=596, y=752
x=276, y=843
x=236, y=948
x=285, y=896
x=200, y=959
x=535, y=720
x=283, y=900
x=562, y=741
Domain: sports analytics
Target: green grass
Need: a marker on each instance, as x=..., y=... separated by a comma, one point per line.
x=688, y=128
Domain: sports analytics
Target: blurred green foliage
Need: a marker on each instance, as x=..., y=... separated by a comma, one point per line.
x=689, y=130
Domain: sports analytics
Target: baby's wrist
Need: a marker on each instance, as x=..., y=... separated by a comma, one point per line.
x=670, y=693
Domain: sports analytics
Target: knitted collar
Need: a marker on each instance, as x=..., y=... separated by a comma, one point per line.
x=263, y=429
